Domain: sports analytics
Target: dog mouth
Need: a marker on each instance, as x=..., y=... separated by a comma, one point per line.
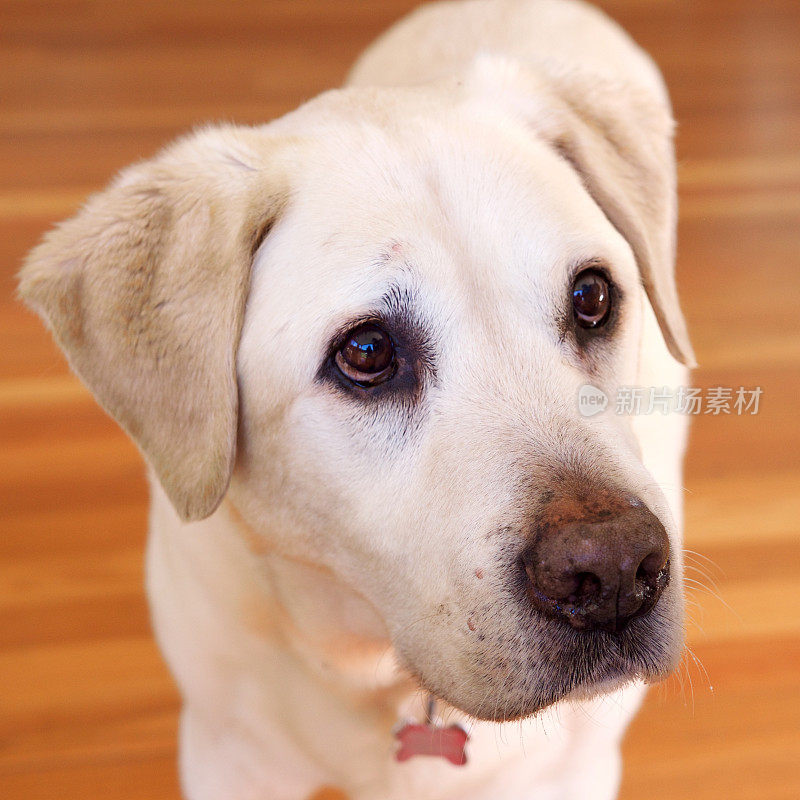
x=518, y=673
x=599, y=671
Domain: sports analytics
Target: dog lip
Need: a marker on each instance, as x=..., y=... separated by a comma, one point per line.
x=582, y=677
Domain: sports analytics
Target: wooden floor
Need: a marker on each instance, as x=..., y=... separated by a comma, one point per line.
x=86, y=707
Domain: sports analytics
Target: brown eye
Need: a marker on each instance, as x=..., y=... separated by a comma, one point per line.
x=591, y=299
x=367, y=355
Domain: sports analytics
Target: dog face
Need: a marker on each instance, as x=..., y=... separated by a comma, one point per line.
x=398, y=400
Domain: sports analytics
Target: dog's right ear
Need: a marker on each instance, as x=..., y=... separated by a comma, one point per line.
x=145, y=289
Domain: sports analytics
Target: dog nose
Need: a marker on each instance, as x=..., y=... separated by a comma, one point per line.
x=597, y=563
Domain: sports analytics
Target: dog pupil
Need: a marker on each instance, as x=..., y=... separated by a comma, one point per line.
x=590, y=298
x=368, y=349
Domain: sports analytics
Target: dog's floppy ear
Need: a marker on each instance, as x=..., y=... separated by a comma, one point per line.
x=145, y=290
x=619, y=140
x=617, y=135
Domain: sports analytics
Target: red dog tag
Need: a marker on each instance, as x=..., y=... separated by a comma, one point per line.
x=430, y=740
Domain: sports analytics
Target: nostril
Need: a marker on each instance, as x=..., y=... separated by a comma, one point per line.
x=588, y=587
x=650, y=568
x=651, y=578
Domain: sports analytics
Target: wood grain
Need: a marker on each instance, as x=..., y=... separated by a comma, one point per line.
x=86, y=705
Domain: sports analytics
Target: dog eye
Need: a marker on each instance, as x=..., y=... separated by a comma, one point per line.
x=367, y=356
x=591, y=299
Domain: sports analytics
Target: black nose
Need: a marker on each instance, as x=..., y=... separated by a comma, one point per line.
x=597, y=561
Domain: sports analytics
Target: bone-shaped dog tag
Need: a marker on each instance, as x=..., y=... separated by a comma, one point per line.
x=429, y=740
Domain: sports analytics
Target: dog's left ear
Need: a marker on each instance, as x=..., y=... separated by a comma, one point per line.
x=618, y=137
x=145, y=289
x=619, y=141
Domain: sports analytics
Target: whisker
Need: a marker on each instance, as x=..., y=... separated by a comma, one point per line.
x=704, y=557
x=708, y=581
x=694, y=585
x=699, y=664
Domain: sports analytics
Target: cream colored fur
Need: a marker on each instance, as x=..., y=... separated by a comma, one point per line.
x=314, y=560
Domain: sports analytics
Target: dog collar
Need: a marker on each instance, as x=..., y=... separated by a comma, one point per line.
x=431, y=739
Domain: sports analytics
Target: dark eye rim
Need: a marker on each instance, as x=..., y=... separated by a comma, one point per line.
x=354, y=377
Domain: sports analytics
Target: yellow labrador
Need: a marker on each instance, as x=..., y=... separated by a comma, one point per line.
x=350, y=344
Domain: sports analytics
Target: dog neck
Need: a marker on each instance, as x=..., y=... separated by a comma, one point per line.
x=261, y=599
x=333, y=629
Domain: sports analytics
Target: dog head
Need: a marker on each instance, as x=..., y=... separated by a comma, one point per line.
x=374, y=316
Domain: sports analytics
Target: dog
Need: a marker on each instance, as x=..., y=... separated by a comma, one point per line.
x=350, y=345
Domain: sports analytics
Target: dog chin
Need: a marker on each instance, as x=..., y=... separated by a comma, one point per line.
x=510, y=708
x=580, y=667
